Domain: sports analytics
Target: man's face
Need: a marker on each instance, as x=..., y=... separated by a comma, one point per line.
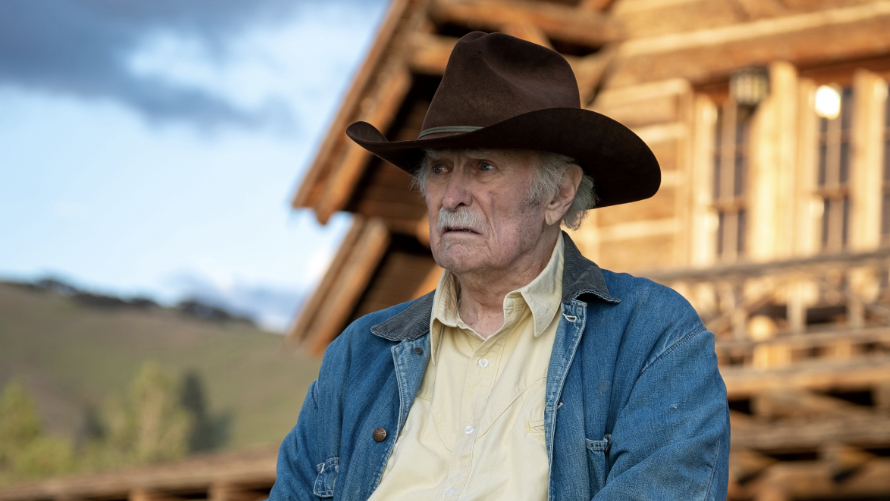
x=480, y=212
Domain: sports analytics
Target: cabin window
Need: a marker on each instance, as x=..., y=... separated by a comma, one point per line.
x=730, y=161
x=834, y=105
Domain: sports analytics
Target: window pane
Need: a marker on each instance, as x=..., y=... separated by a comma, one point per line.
x=826, y=216
x=739, y=175
x=721, y=226
x=845, y=231
x=823, y=162
x=887, y=160
x=844, y=173
x=742, y=218
x=717, y=176
x=847, y=109
x=885, y=215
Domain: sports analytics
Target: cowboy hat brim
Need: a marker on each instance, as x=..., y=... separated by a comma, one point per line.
x=623, y=167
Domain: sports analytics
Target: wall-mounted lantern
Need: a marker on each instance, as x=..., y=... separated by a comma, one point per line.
x=828, y=101
x=749, y=86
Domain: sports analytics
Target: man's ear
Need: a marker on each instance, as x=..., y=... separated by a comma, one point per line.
x=561, y=202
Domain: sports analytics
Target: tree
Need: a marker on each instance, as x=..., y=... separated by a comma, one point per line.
x=208, y=431
x=25, y=450
x=150, y=424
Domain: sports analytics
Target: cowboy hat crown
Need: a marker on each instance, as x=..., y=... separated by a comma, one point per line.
x=502, y=92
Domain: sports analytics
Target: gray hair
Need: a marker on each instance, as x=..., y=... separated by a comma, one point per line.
x=549, y=172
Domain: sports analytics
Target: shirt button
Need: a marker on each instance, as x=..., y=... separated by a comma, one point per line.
x=483, y=363
x=449, y=491
x=379, y=434
x=469, y=429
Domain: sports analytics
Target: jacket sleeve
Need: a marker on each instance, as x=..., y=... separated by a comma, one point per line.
x=671, y=439
x=295, y=474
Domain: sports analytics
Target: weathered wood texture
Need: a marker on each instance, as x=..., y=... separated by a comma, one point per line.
x=234, y=476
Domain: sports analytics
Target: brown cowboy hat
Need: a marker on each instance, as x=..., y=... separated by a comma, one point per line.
x=502, y=92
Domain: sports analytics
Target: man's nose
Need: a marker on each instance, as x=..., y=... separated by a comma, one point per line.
x=457, y=191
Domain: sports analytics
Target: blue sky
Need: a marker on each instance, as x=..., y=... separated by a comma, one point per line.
x=151, y=148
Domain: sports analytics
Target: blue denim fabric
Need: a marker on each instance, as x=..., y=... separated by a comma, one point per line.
x=635, y=408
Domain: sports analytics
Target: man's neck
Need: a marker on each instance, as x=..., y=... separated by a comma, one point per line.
x=482, y=295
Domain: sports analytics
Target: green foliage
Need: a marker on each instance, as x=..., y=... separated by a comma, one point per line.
x=149, y=424
x=208, y=431
x=25, y=450
x=19, y=422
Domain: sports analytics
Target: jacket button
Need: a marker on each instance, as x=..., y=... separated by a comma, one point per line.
x=379, y=434
x=419, y=351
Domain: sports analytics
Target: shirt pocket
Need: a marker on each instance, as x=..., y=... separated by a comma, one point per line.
x=534, y=426
x=327, y=477
x=596, y=461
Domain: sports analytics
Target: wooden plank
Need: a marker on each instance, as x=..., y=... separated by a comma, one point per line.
x=346, y=172
x=796, y=435
x=866, y=171
x=308, y=191
x=356, y=273
x=708, y=54
x=562, y=21
x=595, y=5
x=428, y=54
x=813, y=480
x=745, y=464
x=624, y=96
x=251, y=467
x=528, y=32
x=820, y=375
x=844, y=459
x=799, y=403
x=748, y=270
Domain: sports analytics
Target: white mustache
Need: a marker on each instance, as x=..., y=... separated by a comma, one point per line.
x=461, y=218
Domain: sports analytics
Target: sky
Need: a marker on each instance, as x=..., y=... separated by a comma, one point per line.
x=151, y=148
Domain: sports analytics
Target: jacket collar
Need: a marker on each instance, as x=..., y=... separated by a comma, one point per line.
x=580, y=276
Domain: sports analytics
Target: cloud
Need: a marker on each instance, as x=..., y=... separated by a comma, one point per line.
x=85, y=48
x=271, y=307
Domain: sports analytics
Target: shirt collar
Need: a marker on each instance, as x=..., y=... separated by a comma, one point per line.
x=541, y=295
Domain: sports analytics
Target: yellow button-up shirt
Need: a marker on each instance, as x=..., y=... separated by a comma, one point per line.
x=476, y=428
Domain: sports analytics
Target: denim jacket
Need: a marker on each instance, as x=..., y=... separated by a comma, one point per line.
x=635, y=408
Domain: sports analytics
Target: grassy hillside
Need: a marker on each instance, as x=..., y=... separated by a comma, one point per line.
x=70, y=356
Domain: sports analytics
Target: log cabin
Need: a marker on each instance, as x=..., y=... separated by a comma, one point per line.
x=771, y=123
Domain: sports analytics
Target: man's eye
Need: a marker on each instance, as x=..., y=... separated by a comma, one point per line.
x=486, y=167
x=438, y=168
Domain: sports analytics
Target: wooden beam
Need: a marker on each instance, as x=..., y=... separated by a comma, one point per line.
x=813, y=480
x=798, y=403
x=745, y=464
x=255, y=467
x=528, y=32
x=595, y=5
x=821, y=375
x=378, y=109
x=308, y=192
x=709, y=54
x=802, y=266
x=844, y=459
x=357, y=271
x=811, y=435
x=561, y=21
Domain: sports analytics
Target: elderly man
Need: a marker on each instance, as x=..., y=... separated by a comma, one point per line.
x=529, y=373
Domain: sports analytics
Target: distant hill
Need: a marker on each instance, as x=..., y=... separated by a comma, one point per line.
x=71, y=354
